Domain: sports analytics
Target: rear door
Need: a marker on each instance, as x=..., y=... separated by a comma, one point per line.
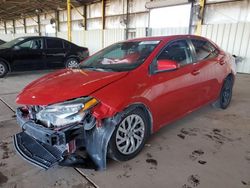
x=28, y=55
x=175, y=93
x=207, y=68
x=55, y=53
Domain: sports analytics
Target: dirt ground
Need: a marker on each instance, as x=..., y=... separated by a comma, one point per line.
x=208, y=148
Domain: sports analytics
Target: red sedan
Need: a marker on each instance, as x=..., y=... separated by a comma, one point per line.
x=110, y=105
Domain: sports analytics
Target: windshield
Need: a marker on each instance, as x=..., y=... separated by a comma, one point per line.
x=11, y=43
x=122, y=56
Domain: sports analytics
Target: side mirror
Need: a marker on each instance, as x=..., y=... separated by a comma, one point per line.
x=166, y=65
x=16, y=47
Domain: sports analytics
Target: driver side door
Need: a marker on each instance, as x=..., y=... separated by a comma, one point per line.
x=175, y=92
x=28, y=55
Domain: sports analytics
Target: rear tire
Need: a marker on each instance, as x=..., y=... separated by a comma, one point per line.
x=225, y=94
x=3, y=69
x=129, y=136
x=72, y=63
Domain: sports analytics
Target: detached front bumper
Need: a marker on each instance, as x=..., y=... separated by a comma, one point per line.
x=35, y=152
x=46, y=147
x=39, y=145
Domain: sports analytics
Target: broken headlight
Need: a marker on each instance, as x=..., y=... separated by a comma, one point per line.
x=65, y=113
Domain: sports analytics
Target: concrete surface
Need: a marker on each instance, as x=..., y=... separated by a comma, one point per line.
x=208, y=148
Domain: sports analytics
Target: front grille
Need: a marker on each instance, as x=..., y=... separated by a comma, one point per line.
x=37, y=153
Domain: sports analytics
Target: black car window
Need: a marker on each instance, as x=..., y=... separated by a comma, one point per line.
x=204, y=49
x=178, y=51
x=66, y=45
x=26, y=44
x=54, y=43
x=32, y=44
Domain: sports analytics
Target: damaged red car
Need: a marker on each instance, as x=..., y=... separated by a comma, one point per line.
x=112, y=103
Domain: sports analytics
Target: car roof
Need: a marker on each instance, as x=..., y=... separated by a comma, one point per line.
x=33, y=37
x=167, y=38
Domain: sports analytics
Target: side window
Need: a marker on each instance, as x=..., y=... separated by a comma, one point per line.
x=204, y=49
x=26, y=44
x=66, y=45
x=178, y=51
x=54, y=43
x=32, y=44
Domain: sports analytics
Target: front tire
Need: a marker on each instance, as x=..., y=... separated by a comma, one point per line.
x=3, y=69
x=129, y=136
x=72, y=63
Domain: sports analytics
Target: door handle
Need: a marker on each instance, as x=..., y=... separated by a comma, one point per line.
x=195, y=72
x=222, y=61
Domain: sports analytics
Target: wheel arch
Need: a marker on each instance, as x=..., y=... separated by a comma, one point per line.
x=7, y=63
x=145, y=110
x=72, y=56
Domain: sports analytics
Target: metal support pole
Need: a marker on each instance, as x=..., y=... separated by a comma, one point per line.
x=69, y=20
x=5, y=27
x=190, y=28
x=39, y=25
x=200, y=17
x=57, y=22
x=85, y=17
x=103, y=21
x=103, y=14
x=14, y=28
x=127, y=19
x=24, y=25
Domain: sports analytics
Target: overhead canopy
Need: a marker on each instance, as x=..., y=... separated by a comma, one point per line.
x=17, y=9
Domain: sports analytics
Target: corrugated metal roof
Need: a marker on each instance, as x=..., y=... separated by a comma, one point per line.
x=16, y=9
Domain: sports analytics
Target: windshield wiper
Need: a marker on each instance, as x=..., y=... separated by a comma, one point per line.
x=97, y=68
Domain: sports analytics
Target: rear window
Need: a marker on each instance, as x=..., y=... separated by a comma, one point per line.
x=204, y=49
x=54, y=43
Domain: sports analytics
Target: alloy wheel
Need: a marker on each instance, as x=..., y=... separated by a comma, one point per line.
x=130, y=134
x=2, y=69
x=72, y=64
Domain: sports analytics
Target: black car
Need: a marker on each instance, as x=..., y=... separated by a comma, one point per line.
x=35, y=53
x=1, y=42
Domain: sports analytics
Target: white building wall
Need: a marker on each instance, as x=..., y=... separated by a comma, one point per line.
x=233, y=38
x=233, y=12
x=112, y=36
x=228, y=24
x=114, y=22
x=115, y=7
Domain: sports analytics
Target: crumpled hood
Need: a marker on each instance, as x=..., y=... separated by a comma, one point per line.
x=64, y=85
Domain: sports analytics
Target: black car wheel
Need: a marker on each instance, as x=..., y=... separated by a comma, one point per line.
x=3, y=69
x=226, y=92
x=72, y=63
x=129, y=136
